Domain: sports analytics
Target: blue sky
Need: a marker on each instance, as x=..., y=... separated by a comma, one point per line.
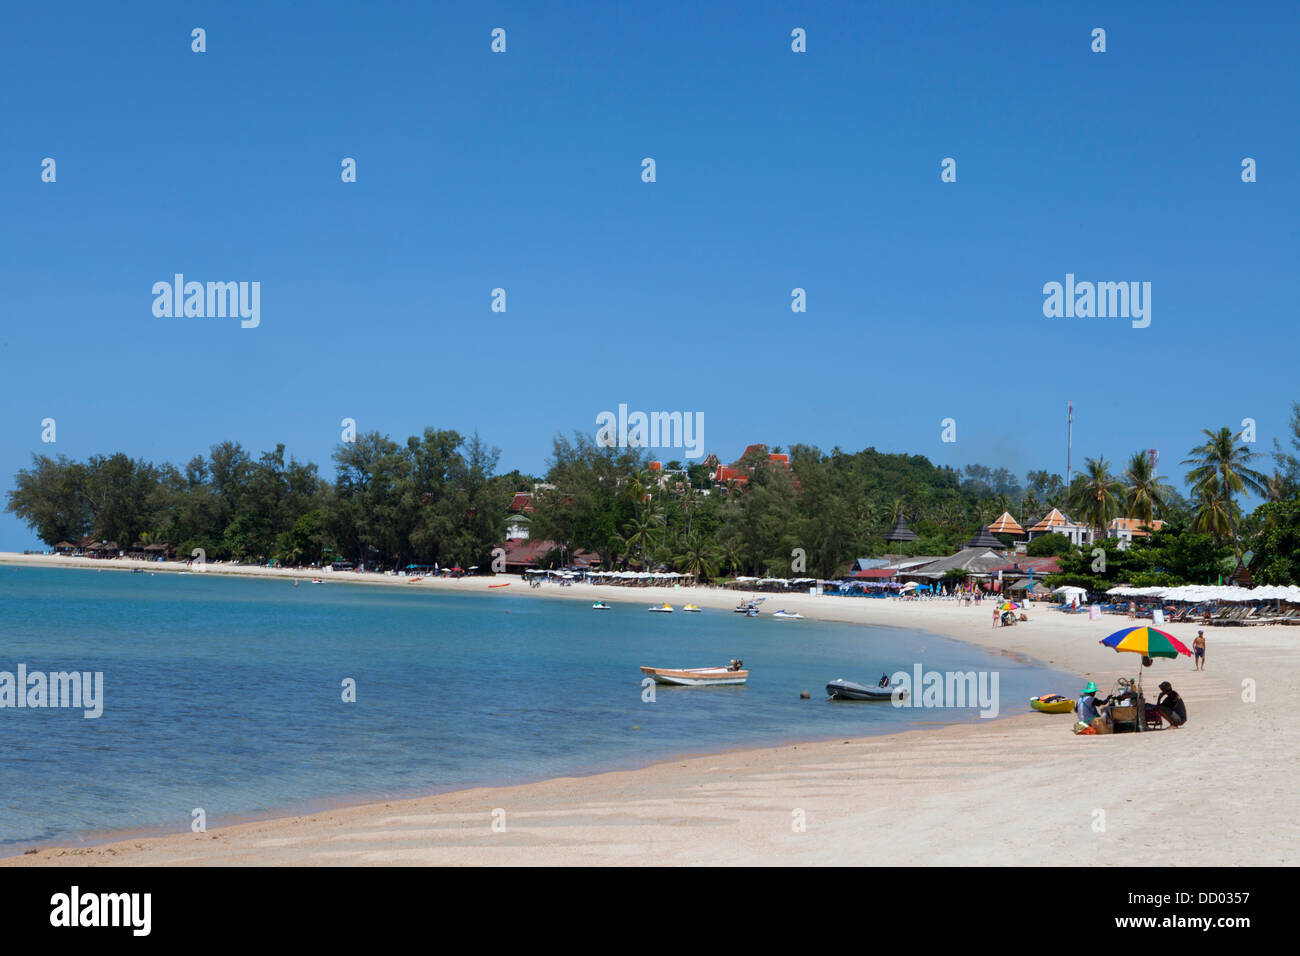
x=522, y=170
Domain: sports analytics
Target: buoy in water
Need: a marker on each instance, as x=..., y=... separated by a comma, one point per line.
x=804, y=695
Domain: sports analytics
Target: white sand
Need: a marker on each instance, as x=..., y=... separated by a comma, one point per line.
x=1019, y=790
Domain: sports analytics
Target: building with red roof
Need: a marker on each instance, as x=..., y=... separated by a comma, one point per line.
x=740, y=472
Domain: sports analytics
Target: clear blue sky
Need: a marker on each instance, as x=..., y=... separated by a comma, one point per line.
x=523, y=171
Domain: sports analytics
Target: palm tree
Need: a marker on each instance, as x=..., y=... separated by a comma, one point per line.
x=690, y=502
x=1213, y=510
x=642, y=532
x=1275, y=489
x=1143, y=492
x=731, y=557
x=1095, y=495
x=1029, y=508
x=896, y=509
x=1223, y=460
x=638, y=485
x=698, y=557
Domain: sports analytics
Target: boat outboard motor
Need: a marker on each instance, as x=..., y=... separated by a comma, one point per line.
x=884, y=681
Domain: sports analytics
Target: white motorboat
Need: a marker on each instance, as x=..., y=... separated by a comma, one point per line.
x=698, y=676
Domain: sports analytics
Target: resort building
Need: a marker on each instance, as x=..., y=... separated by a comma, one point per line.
x=1007, y=525
x=874, y=574
x=517, y=520
x=1126, y=529
x=866, y=564
x=672, y=479
x=971, y=562
x=1054, y=522
x=522, y=554
x=740, y=472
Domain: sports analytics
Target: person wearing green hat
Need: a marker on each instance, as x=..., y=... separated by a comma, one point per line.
x=1088, y=702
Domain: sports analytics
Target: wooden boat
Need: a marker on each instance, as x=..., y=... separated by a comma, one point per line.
x=696, y=676
x=661, y=609
x=842, y=689
x=1052, y=704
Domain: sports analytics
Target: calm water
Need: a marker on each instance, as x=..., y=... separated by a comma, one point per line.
x=225, y=694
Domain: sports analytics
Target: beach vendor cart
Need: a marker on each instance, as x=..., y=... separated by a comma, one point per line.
x=1128, y=714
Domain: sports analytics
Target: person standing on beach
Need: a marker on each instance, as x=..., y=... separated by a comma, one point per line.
x=1198, y=648
x=995, y=617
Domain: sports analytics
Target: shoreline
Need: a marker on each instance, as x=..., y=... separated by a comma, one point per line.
x=955, y=773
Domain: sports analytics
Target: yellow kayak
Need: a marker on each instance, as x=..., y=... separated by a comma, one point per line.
x=1052, y=704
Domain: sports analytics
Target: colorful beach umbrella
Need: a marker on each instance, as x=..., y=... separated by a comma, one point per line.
x=1147, y=641
x=1008, y=606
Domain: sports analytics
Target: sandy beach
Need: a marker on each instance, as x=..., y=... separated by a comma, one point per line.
x=1020, y=790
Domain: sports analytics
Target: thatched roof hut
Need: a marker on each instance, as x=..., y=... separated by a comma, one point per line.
x=984, y=539
x=900, y=531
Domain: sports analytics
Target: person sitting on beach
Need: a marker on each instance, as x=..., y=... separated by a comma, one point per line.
x=1171, y=706
x=1089, y=702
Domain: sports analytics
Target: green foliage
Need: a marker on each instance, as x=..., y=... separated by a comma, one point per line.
x=1183, y=556
x=1098, y=566
x=1220, y=471
x=437, y=498
x=1277, y=546
x=48, y=497
x=1049, y=544
x=1170, y=557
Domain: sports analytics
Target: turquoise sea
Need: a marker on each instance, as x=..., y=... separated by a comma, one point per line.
x=226, y=694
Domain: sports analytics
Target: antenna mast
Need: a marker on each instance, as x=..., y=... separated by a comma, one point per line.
x=1069, y=442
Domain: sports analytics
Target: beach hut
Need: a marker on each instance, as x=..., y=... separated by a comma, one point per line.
x=985, y=539
x=900, y=531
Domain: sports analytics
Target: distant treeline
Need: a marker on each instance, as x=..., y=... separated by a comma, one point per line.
x=438, y=498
